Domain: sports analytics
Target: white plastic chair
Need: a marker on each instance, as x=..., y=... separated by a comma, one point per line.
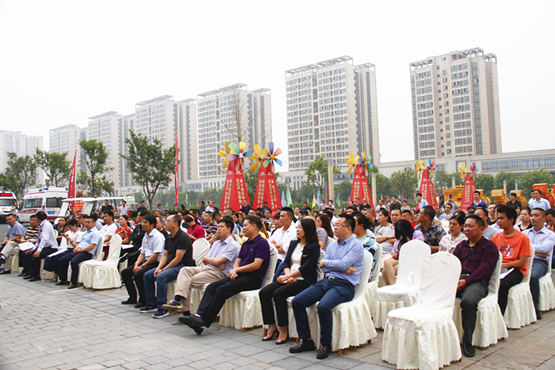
x=82, y=276
x=490, y=326
x=352, y=321
x=547, y=289
x=98, y=274
x=424, y=336
x=520, y=305
x=403, y=292
x=372, y=286
x=200, y=249
x=243, y=310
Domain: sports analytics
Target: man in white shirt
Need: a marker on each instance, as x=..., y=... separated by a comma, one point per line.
x=122, y=210
x=282, y=236
x=210, y=207
x=46, y=245
x=108, y=230
x=538, y=201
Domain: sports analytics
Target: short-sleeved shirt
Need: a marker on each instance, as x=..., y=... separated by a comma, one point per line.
x=229, y=249
x=124, y=232
x=387, y=230
x=433, y=234
x=447, y=244
x=14, y=230
x=106, y=208
x=542, y=203
x=180, y=241
x=108, y=230
x=31, y=233
x=323, y=237
x=284, y=237
x=153, y=243
x=513, y=247
x=91, y=236
x=210, y=229
x=255, y=248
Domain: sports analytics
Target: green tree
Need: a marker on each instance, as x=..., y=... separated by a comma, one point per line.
x=404, y=182
x=485, y=182
x=344, y=190
x=383, y=187
x=55, y=165
x=4, y=181
x=317, y=173
x=150, y=164
x=442, y=180
x=528, y=179
x=507, y=176
x=305, y=194
x=93, y=177
x=21, y=173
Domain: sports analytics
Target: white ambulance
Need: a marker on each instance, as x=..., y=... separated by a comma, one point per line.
x=48, y=200
x=8, y=204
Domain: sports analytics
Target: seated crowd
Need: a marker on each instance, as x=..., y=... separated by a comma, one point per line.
x=319, y=255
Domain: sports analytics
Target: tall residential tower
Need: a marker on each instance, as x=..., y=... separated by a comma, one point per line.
x=455, y=105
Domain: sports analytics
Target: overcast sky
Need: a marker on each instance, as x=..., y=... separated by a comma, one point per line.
x=64, y=61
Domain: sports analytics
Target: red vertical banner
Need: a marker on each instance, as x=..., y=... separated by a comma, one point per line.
x=71, y=189
x=176, y=170
x=360, y=188
x=468, y=191
x=427, y=189
x=235, y=189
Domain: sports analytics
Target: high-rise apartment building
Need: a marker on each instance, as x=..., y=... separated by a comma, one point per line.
x=188, y=150
x=233, y=114
x=455, y=105
x=105, y=128
x=65, y=139
x=331, y=111
x=20, y=144
x=125, y=124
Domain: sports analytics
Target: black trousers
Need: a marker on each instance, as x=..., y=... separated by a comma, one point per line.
x=279, y=293
x=218, y=292
x=132, y=254
x=470, y=296
x=34, y=263
x=75, y=259
x=514, y=278
x=128, y=277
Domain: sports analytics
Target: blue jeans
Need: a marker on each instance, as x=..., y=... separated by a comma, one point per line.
x=539, y=269
x=330, y=293
x=162, y=280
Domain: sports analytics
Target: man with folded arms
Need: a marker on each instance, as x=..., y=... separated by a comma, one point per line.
x=178, y=253
x=247, y=274
x=14, y=234
x=46, y=245
x=151, y=252
x=342, y=267
x=543, y=241
x=478, y=258
x=83, y=251
x=217, y=263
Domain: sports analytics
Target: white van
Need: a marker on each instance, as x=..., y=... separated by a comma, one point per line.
x=48, y=200
x=8, y=204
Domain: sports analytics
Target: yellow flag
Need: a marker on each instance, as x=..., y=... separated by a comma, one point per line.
x=313, y=202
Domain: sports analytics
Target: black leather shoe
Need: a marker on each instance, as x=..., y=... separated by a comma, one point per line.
x=129, y=301
x=304, y=345
x=23, y=274
x=35, y=278
x=324, y=351
x=62, y=282
x=139, y=305
x=5, y=272
x=468, y=350
x=194, y=322
x=72, y=286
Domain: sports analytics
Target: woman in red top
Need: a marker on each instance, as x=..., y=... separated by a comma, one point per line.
x=195, y=231
x=123, y=230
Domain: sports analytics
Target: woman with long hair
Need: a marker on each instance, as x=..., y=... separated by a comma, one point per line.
x=404, y=232
x=195, y=231
x=300, y=267
x=455, y=236
x=324, y=230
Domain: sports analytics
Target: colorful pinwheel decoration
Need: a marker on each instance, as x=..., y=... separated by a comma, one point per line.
x=258, y=156
x=352, y=162
x=419, y=168
x=225, y=154
x=474, y=170
x=432, y=167
x=271, y=157
x=463, y=170
x=238, y=152
x=365, y=161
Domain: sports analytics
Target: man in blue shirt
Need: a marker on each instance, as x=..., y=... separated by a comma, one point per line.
x=84, y=251
x=342, y=267
x=477, y=201
x=420, y=203
x=538, y=201
x=13, y=236
x=543, y=241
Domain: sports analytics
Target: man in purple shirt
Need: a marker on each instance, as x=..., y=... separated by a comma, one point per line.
x=478, y=258
x=247, y=274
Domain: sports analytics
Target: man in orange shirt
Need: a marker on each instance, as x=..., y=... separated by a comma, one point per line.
x=515, y=249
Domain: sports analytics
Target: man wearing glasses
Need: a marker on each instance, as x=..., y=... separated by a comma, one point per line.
x=342, y=267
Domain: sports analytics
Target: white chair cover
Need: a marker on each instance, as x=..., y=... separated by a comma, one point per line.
x=372, y=286
x=403, y=292
x=352, y=321
x=424, y=336
x=520, y=305
x=84, y=274
x=103, y=274
x=547, y=289
x=243, y=310
x=490, y=326
x=200, y=249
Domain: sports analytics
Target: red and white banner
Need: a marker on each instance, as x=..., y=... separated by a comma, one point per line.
x=360, y=188
x=266, y=189
x=468, y=191
x=235, y=189
x=176, y=170
x=427, y=189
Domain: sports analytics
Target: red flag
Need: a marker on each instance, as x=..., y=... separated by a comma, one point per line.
x=360, y=188
x=176, y=169
x=71, y=192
